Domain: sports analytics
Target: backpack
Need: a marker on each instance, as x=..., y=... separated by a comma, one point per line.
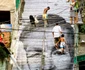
x=76, y=6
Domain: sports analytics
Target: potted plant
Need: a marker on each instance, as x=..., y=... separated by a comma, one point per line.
x=4, y=53
x=82, y=28
x=82, y=33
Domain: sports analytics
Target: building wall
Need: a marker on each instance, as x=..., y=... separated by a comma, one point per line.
x=10, y=5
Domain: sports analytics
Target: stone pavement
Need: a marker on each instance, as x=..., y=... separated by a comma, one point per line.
x=33, y=42
x=58, y=7
x=33, y=38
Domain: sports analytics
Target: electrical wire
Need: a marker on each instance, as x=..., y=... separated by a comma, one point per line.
x=46, y=31
x=36, y=31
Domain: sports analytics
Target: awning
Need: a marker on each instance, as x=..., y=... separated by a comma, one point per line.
x=79, y=59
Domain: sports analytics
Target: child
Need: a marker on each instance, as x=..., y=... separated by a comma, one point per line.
x=62, y=43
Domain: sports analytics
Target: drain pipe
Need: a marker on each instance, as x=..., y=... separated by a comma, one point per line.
x=43, y=50
x=76, y=66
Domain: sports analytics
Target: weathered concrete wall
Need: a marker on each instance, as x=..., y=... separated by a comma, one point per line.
x=7, y=4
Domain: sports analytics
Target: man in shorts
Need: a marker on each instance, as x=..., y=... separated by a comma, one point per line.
x=73, y=12
x=57, y=31
x=45, y=16
x=62, y=43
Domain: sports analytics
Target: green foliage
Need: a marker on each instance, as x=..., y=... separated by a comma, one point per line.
x=3, y=53
x=82, y=28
